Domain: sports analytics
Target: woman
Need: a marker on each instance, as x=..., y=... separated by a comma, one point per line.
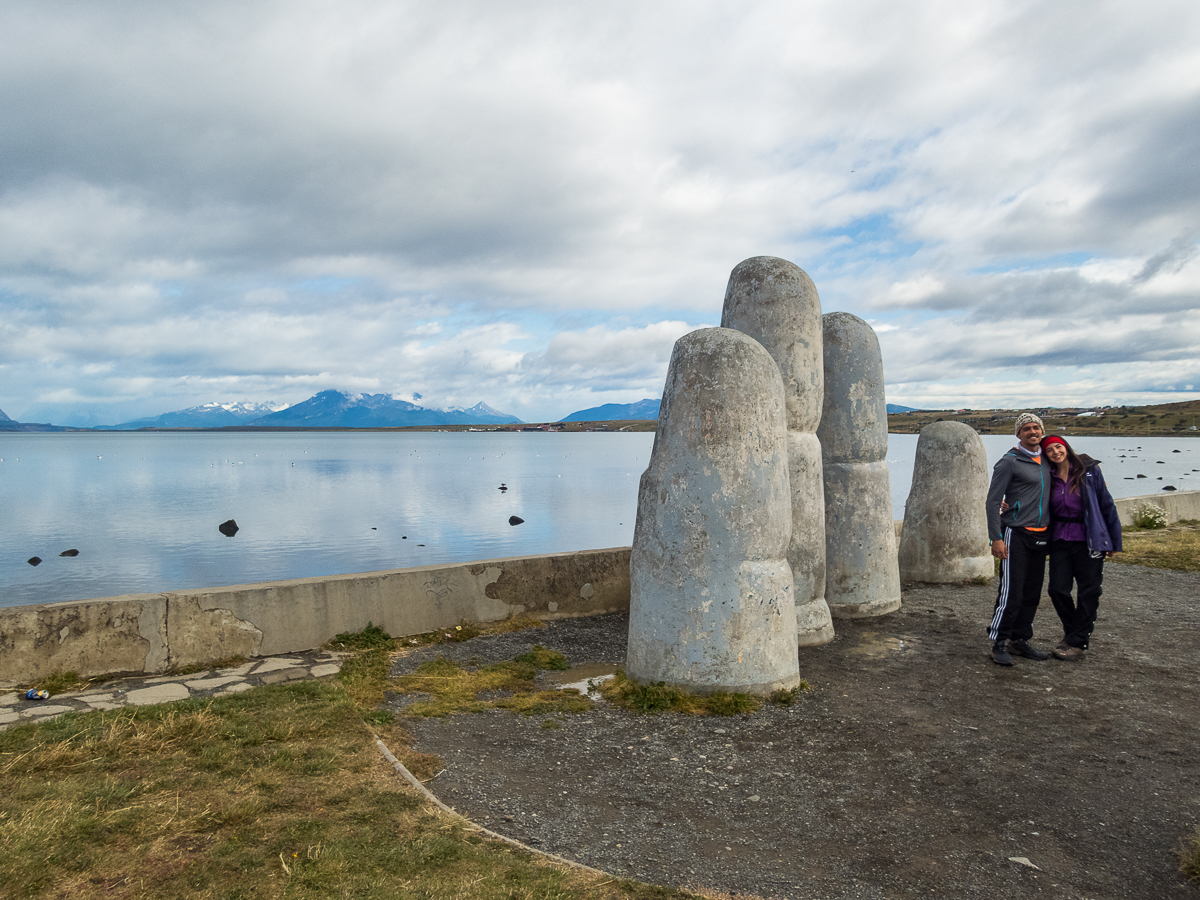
x=1085, y=529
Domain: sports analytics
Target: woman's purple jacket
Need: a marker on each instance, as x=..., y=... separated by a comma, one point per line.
x=1100, y=518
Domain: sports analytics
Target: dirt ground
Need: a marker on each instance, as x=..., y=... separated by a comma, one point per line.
x=914, y=767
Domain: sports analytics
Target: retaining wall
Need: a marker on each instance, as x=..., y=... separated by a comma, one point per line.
x=154, y=632
x=1177, y=504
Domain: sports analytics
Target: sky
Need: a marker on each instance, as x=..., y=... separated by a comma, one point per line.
x=527, y=203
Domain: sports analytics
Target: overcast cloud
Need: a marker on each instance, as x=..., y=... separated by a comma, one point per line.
x=528, y=203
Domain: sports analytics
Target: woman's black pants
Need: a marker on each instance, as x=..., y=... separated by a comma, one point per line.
x=1072, y=563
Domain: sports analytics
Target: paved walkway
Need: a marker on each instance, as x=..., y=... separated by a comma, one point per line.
x=145, y=690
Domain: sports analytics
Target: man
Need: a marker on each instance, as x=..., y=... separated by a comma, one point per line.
x=1019, y=539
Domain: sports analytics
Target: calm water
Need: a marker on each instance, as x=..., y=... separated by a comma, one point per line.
x=143, y=509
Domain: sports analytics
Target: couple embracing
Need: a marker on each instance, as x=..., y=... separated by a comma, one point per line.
x=1045, y=500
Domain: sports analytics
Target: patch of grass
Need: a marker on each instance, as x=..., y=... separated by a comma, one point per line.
x=1189, y=856
x=541, y=658
x=275, y=792
x=370, y=638
x=652, y=698
x=365, y=677
x=789, y=696
x=465, y=630
x=227, y=662
x=452, y=689
x=57, y=683
x=1174, y=547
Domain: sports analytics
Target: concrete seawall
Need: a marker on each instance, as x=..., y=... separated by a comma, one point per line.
x=150, y=633
x=1177, y=505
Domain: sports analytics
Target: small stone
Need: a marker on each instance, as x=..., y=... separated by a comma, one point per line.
x=71, y=552
x=1169, y=487
x=208, y=684
x=274, y=664
x=515, y=520
x=39, y=711
x=228, y=528
x=284, y=675
x=160, y=693
x=34, y=560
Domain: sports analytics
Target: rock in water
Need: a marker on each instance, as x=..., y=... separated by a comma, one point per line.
x=862, y=574
x=71, y=552
x=515, y=520
x=711, y=605
x=34, y=560
x=229, y=528
x=776, y=303
x=944, y=538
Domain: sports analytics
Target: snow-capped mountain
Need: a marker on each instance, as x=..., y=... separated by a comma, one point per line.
x=210, y=415
x=614, y=412
x=335, y=409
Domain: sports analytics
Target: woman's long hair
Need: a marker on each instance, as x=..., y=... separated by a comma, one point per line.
x=1075, y=466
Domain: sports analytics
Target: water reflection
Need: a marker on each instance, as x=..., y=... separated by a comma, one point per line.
x=143, y=509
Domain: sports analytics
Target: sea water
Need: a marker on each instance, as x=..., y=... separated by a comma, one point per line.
x=142, y=509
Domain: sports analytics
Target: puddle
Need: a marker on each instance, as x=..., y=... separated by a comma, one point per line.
x=578, y=677
x=873, y=645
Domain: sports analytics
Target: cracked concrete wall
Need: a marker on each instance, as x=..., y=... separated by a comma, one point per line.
x=154, y=632
x=92, y=637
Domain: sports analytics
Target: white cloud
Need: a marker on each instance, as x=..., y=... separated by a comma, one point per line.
x=523, y=204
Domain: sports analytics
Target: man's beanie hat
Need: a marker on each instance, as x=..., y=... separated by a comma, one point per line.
x=1025, y=418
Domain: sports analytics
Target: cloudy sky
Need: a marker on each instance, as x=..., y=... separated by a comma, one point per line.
x=527, y=203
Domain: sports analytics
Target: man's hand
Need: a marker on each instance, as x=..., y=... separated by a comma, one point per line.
x=999, y=549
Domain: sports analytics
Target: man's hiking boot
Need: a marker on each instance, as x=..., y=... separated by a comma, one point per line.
x=1022, y=648
x=1000, y=654
x=1069, y=653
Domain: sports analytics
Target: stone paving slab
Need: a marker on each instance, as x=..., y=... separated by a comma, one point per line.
x=142, y=691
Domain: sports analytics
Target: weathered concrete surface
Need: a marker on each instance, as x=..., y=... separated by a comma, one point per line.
x=154, y=632
x=1176, y=504
x=711, y=605
x=776, y=303
x=93, y=637
x=862, y=575
x=944, y=538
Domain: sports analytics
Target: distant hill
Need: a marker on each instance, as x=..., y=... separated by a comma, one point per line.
x=210, y=415
x=3, y=417
x=611, y=412
x=896, y=408
x=334, y=409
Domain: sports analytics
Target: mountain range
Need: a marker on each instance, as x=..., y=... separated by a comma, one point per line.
x=210, y=415
x=327, y=409
x=614, y=412
x=334, y=409
x=337, y=409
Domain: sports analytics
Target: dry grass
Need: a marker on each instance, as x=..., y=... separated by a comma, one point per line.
x=506, y=685
x=1175, y=547
x=277, y=792
x=1189, y=856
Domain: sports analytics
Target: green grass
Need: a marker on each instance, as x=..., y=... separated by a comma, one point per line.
x=654, y=698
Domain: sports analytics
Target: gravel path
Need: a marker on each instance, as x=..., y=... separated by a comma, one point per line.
x=915, y=767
